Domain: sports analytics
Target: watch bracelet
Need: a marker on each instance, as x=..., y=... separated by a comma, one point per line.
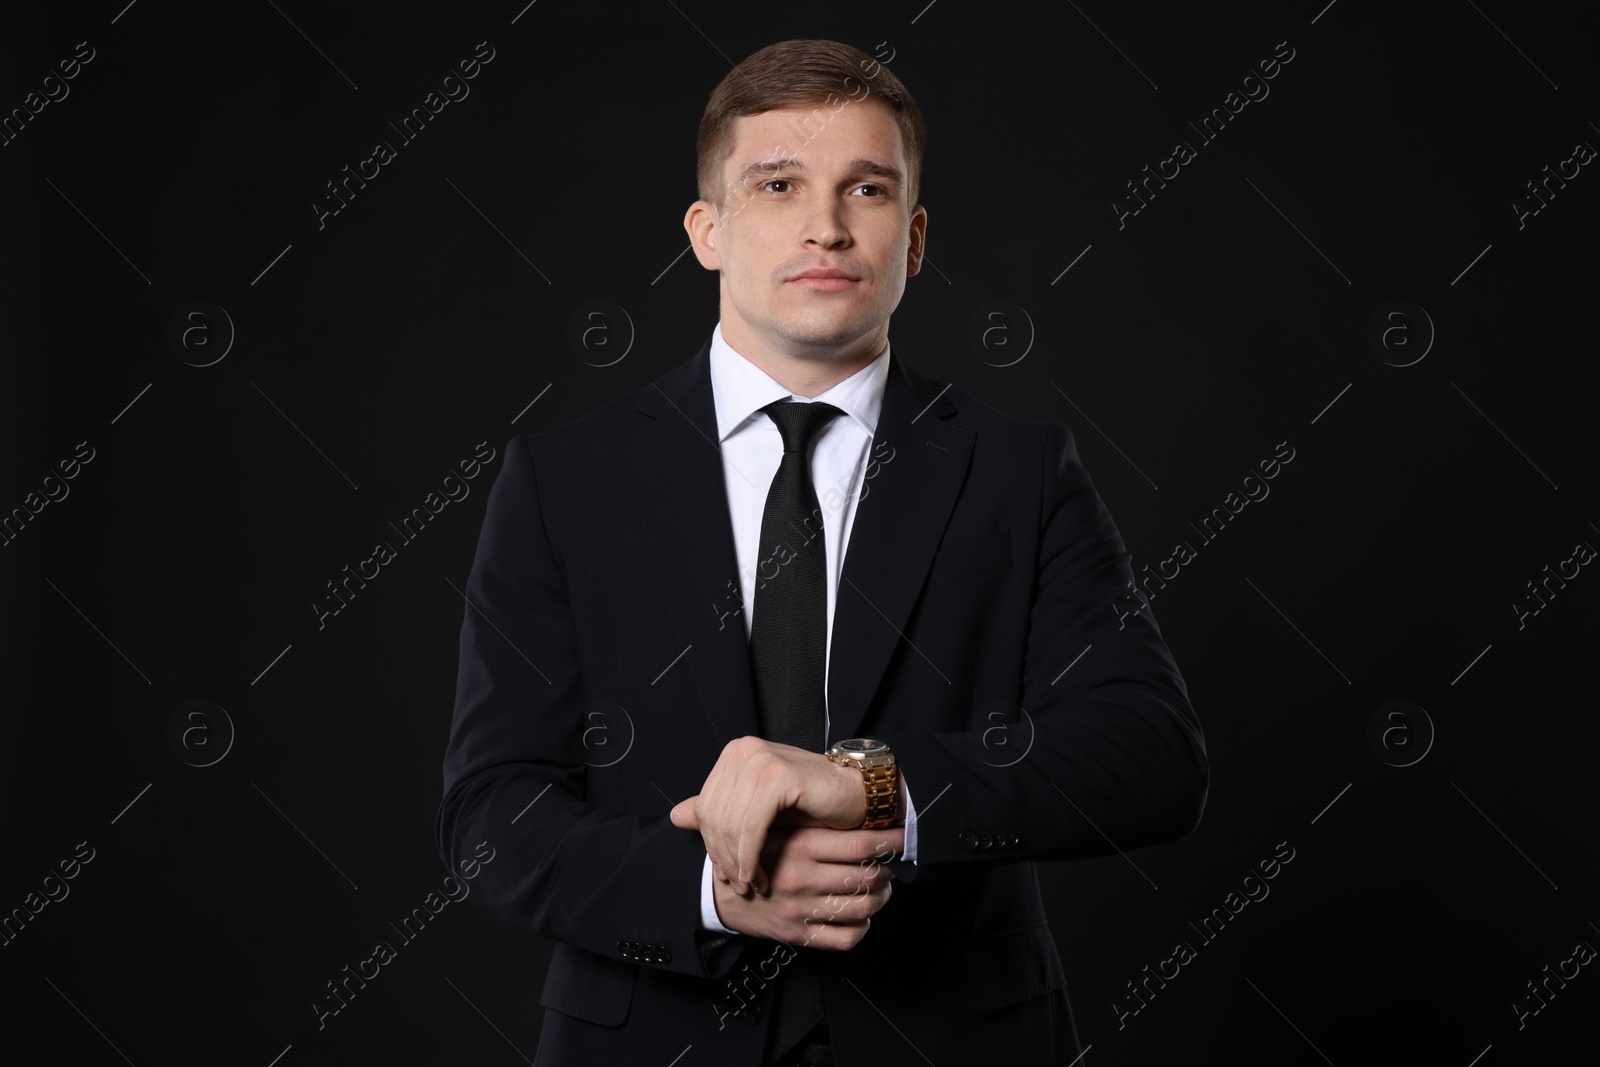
x=882, y=786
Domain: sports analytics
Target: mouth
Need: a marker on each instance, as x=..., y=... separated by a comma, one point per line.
x=826, y=280
x=827, y=285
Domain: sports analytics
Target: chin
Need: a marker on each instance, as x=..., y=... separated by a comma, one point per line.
x=826, y=331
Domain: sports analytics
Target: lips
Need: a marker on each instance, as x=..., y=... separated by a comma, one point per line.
x=825, y=272
x=827, y=279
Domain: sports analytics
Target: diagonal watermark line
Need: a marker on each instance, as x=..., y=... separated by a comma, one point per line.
x=1513, y=44
x=1474, y=263
x=524, y=11
x=1301, y=232
x=271, y=665
x=302, y=433
x=674, y=263
x=269, y=266
x=280, y=1055
x=124, y=11
x=501, y=632
x=668, y=667
x=1502, y=433
x=101, y=232
x=532, y=402
x=90, y=1021
x=1102, y=833
x=1468, y=667
x=1113, y=44
x=1289, y=1021
x=501, y=232
x=680, y=1055
x=536, y=800
x=1300, y=632
x=889, y=1021
x=1074, y=263
x=922, y=814
x=713, y=44
x=1102, y=433
x=313, y=44
x=1332, y=402
x=1502, y=833
x=1480, y=1055
x=131, y=803
x=99, y=631
x=708, y=440
x=899, y=631
x=1324, y=11
x=489, y=1021
x=302, y=833
x=132, y=402
x=934, y=401
x=1331, y=803
x=1069, y=666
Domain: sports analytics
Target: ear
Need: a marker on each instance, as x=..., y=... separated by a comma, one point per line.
x=701, y=223
x=917, y=231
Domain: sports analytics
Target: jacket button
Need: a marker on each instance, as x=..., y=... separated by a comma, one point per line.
x=985, y=839
x=968, y=840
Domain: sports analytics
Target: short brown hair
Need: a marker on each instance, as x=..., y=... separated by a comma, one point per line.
x=803, y=71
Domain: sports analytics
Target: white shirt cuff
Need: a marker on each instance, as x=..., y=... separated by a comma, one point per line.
x=911, y=822
x=708, y=901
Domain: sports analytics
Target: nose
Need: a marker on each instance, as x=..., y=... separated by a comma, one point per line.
x=824, y=225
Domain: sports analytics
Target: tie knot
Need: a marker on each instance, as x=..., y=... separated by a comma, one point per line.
x=798, y=421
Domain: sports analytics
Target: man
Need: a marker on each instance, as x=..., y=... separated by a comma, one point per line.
x=792, y=544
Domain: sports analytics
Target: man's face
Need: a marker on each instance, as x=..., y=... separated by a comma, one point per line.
x=805, y=188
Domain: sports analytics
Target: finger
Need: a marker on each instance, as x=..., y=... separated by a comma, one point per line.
x=864, y=847
x=833, y=936
x=797, y=817
x=752, y=835
x=683, y=814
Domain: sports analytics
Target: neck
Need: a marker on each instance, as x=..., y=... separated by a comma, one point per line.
x=813, y=369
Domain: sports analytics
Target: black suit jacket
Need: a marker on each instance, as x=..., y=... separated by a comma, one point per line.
x=984, y=628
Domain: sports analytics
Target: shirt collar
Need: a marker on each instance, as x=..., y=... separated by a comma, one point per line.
x=741, y=389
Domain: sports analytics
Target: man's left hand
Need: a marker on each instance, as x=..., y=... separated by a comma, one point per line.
x=756, y=783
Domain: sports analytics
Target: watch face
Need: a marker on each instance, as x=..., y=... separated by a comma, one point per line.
x=863, y=746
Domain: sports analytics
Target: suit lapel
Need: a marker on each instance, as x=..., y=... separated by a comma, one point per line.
x=922, y=461
x=675, y=470
x=675, y=467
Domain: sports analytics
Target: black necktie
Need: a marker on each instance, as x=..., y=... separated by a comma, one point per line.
x=788, y=650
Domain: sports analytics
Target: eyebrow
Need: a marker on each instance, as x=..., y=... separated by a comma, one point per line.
x=860, y=165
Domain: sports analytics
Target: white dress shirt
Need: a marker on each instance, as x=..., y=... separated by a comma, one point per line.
x=752, y=449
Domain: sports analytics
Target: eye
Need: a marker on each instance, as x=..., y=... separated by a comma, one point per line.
x=882, y=192
x=770, y=181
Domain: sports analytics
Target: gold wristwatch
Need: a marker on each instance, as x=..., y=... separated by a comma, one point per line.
x=875, y=761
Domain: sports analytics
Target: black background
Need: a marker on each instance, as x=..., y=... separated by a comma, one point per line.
x=377, y=351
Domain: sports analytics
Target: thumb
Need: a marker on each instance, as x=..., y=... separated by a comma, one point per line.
x=683, y=816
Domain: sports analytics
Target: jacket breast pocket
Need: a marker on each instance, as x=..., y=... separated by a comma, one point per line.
x=1011, y=966
x=589, y=986
x=961, y=560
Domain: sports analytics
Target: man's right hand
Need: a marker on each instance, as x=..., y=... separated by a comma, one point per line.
x=824, y=886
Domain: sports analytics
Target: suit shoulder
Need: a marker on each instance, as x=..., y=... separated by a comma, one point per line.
x=585, y=431
x=998, y=427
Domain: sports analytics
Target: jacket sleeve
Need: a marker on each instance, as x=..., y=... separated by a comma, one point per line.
x=1114, y=757
x=623, y=885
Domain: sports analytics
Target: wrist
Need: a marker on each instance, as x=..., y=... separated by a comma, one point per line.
x=874, y=764
x=851, y=786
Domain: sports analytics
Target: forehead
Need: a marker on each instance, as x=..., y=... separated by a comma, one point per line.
x=818, y=134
